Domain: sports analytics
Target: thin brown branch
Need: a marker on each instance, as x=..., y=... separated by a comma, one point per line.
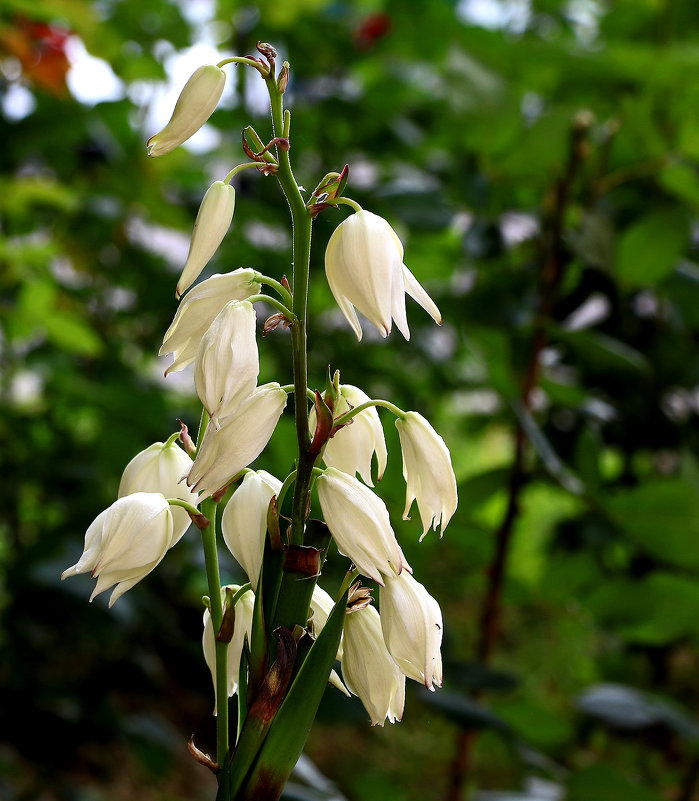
x=553, y=264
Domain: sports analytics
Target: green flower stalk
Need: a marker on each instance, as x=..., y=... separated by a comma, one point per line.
x=274, y=643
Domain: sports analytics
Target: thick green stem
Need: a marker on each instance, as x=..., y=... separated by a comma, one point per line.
x=301, y=222
x=208, y=536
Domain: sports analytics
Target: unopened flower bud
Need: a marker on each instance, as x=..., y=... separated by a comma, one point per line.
x=195, y=105
x=212, y=223
x=283, y=79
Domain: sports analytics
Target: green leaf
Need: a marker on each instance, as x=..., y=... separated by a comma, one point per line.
x=263, y=613
x=262, y=708
x=464, y=711
x=603, y=783
x=292, y=723
x=626, y=708
x=587, y=454
x=650, y=249
x=479, y=488
x=661, y=609
x=683, y=289
x=662, y=517
x=602, y=351
x=71, y=333
x=536, y=723
x=475, y=675
x=683, y=181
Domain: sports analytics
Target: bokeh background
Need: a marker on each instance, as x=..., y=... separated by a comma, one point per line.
x=540, y=160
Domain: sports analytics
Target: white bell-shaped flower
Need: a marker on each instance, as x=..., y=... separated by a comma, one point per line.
x=368, y=669
x=364, y=267
x=159, y=468
x=360, y=525
x=195, y=105
x=125, y=542
x=241, y=627
x=411, y=621
x=352, y=448
x=212, y=223
x=428, y=473
x=241, y=438
x=227, y=363
x=199, y=308
x=244, y=521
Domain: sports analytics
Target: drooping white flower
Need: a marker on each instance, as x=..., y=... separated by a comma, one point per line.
x=351, y=449
x=212, y=223
x=411, y=621
x=241, y=627
x=364, y=267
x=244, y=521
x=195, y=105
x=227, y=363
x=368, y=669
x=199, y=308
x=360, y=525
x=428, y=473
x=241, y=438
x=125, y=542
x=159, y=468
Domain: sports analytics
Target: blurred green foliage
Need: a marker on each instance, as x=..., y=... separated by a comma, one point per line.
x=541, y=163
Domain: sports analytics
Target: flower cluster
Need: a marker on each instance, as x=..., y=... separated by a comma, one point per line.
x=214, y=330
x=127, y=540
